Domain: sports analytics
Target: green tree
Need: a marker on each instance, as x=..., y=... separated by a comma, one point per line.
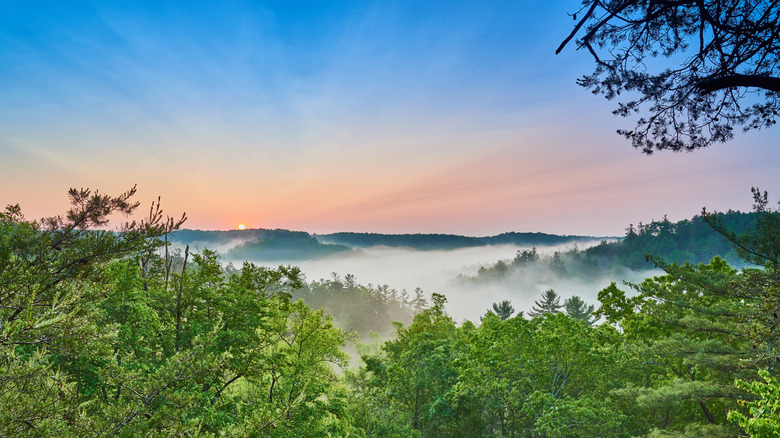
x=361, y=308
x=504, y=309
x=526, y=257
x=516, y=376
x=759, y=244
x=549, y=303
x=557, y=264
x=577, y=309
x=763, y=420
x=693, y=333
x=105, y=335
x=414, y=374
x=51, y=273
x=728, y=73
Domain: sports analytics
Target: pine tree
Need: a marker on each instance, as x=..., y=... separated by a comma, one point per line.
x=550, y=303
x=557, y=264
x=419, y=303
x=504, y=309
x=577, y=309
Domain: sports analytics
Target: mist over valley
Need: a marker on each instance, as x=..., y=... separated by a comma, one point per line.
x=472, y=272
x=132, y=132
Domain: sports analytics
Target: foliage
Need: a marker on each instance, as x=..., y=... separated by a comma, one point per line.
x=112, y=333
x=362, y=308
x=104, y=334
x=692, y=240
x=764, y=419
x=578, y=309
x=758, y=243
x=414, y=374
x=693, y=333
x=507, y=377
x=48, y=270
x=549, y=303
x=504, y=309
x=727, y=73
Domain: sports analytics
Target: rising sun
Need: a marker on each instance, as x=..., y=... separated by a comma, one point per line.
x=241, y=226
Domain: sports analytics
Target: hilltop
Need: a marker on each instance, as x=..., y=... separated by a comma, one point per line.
x=280, y=244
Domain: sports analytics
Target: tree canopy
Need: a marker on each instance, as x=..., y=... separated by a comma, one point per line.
x=108, y=333
x=111, y=333
x=723, y=68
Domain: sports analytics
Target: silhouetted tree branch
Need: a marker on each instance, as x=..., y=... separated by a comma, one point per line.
x=723, y=73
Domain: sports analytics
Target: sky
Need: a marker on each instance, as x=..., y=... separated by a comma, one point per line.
x=325, y=116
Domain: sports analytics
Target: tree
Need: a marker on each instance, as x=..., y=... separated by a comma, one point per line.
x=504, y=309
x=728, y=72
x=549, y=303
x=759, y=245
x=697, y=328
x=542, y=377
x=102, y=334
x=52, y=271
x=764, y=419
x=577, y=309
x=557, y=264
x=417, y=370
x=360, y=308
x=526, y=257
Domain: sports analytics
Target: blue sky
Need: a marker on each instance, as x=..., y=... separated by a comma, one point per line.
x=333, y=116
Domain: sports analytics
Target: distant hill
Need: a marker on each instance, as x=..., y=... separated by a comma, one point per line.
x=537, y=239
x=259, y=244
x=415, y=241
x=425, y=242
x=268, y=245
x=690, y=240
x=210, y=239
x=284, y=245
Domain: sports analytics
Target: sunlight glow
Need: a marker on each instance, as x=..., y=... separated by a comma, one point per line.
x=241, y=226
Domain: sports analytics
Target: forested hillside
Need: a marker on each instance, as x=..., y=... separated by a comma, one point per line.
x=258, y=244
x=693, y=241
x=114, y=333
x=446, y=241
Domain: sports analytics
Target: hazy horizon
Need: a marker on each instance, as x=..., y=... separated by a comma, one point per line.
x=185, y=227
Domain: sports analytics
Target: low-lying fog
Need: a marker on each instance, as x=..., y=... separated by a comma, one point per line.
x=437, y=271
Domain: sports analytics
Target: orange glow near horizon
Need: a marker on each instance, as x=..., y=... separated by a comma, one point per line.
x=241, y=226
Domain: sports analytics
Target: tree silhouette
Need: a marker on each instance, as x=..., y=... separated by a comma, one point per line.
x=549, y=303
x=504, y=309
x=728, y=73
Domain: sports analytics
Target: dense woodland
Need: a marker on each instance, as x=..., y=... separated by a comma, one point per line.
x=692, y=241
x=112, y=333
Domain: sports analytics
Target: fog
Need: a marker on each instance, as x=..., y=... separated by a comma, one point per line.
x=438, y=271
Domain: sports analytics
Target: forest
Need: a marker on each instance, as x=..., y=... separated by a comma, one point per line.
x=137, y=327
x=110, y=332
x=693, y=241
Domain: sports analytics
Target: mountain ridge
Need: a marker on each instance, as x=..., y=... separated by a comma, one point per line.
x=282, y=244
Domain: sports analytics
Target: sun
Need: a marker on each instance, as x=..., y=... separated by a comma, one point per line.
x=241, y=226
